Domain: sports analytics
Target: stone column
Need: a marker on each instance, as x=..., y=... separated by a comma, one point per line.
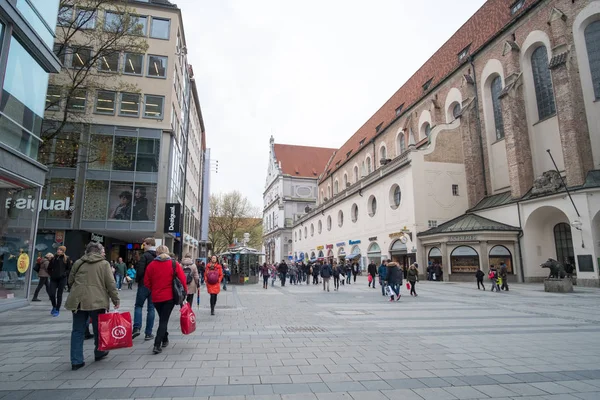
x=445, y=261
x=570, y=109
x=472, y=154
x=484, y=259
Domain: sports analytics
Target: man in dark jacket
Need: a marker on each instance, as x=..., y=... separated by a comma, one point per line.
x=282, y=269
x=504, y=276
x=382, y=271
x=59, y=269
x=394, y=278
x=372, y=270
x=143, y=293
x=326, y=273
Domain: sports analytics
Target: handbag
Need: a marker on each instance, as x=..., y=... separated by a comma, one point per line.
x=388, y=290
x=370, y=278
x=187, y=319
x=178, y=289
x=407, y=285
x=114, y=331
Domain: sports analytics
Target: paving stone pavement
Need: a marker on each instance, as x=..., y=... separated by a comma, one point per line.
x=301, y=343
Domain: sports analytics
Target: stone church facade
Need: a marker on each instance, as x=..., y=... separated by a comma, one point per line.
x=511, y=102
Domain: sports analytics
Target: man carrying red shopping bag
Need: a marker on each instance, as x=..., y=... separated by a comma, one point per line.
x=115, y=331
x=92, y=284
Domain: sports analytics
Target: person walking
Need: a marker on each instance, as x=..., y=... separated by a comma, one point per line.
x=382, y=271
x=120, y=269
x=43, y=276
x=143, y=293
x=316, y=271
x=413, y=278
x=213, y=275
x=201, y=266
x=130, y=278
x=348, y=272
x=92, y=284
x=394, y=278
x=493, y=277
x=355, y=270
x=192, y=278
x=58, y=269
x=372, y=270
x=226, y=275
x=504, y=276
x=336, y=276
x=326, y=273
x=273, y=272
x=439, y=272
x=283, y=270
x=158, y=279
x=264, y=271
x=479, y=275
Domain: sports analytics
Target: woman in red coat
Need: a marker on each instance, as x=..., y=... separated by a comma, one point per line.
x=158, y=278
x=213, y=275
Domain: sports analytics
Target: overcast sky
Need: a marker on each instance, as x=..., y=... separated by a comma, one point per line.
x=308, y=73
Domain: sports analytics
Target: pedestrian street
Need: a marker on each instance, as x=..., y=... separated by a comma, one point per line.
x=300, y=342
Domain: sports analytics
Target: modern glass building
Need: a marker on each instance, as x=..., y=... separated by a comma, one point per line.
x=26, y=59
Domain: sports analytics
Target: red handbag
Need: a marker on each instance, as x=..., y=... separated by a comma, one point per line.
x=187, y=319
x=408, y=285
x=114, y=331
x=370, y=278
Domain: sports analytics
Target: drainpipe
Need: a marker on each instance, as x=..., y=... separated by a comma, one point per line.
x=478, y=119
x=519, y=244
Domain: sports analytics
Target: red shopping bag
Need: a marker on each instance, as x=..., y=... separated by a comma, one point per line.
x=114, y=331
x=407, y=285
x=187, y=319
x=370, y=278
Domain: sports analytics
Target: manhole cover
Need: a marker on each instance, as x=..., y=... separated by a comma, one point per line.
x=295, y=329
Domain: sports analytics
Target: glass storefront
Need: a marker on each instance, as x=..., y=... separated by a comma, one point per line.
x=464, y=259
x=124, y=201
x=18, y=212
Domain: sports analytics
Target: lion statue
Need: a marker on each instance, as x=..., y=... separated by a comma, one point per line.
x=557, y=270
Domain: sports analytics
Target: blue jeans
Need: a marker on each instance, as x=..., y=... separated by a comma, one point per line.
x=80, y=326
x=396, y=288
x=382, y=283
x=143, y=294
x=119, y=279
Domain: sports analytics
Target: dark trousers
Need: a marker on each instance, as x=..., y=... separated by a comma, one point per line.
x=412, y=288
x=265, y=281
x=372, y=281
x=190, y=298
x=355, y=273
x=504, y=283
x=213, y=302
x=336, y=282
x=80, y=326
x=163, y=309
x=480, y=282
x=43, y=282
x=282, y=276
x=57, y=286
x=348, y=277
x=315, y=279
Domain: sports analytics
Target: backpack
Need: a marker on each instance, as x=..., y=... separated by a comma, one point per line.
x=189, y=277
x=492, y=275
x=179, y=293
x=212, y=276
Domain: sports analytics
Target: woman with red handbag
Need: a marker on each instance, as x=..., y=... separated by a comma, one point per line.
x=92, y=284
x=158, y=278
x=413, y=277
x=213, y=275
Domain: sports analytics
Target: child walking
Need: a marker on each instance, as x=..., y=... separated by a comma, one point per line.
x=479, y=275
x=493, y=277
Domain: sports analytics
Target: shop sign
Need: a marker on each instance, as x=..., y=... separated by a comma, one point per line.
x=396, y=235
x=373, y=238
x=353, y=242
x=341, y=244
x=97, y=238
x=23, y=263
x=48, y=205
x=172, y=217
x=329, y=246
x=59, y=236
x=465, y=238
x=320, y=247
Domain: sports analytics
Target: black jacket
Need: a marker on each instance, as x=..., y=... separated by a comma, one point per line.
x=479, y=274
x=140, y=267
x=372, y=268
x=60, y=267
x=283, y=268
x=394, y=274
x=326, y=271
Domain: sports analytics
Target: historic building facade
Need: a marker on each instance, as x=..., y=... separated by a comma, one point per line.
x=510, y=103
x=291, y=187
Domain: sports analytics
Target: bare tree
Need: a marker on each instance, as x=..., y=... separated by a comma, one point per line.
x=229, y=215
x=90, y=37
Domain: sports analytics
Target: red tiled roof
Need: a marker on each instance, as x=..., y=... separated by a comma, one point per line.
x=302, y=160
x=487, y=22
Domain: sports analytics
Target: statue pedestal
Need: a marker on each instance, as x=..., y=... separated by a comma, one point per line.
x=558, y=285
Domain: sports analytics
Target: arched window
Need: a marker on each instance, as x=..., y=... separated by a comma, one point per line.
x=340, y=218
x=329, y=192
x=498, y=120
x=427, y=129
x=355, y=173
x=372, y=206
x=500, y=254
x=354, y=212
x=401, y=143
x=312, y=230
x=382, y=153
x=329, y=223
x=369, y=166
x=464, y=259
x=544, y=92
x=564, y=244
x=336, y=187
x=345, y=181
x=592, y=44
x=305, y=232
x=456, y=110
x=320, y=227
